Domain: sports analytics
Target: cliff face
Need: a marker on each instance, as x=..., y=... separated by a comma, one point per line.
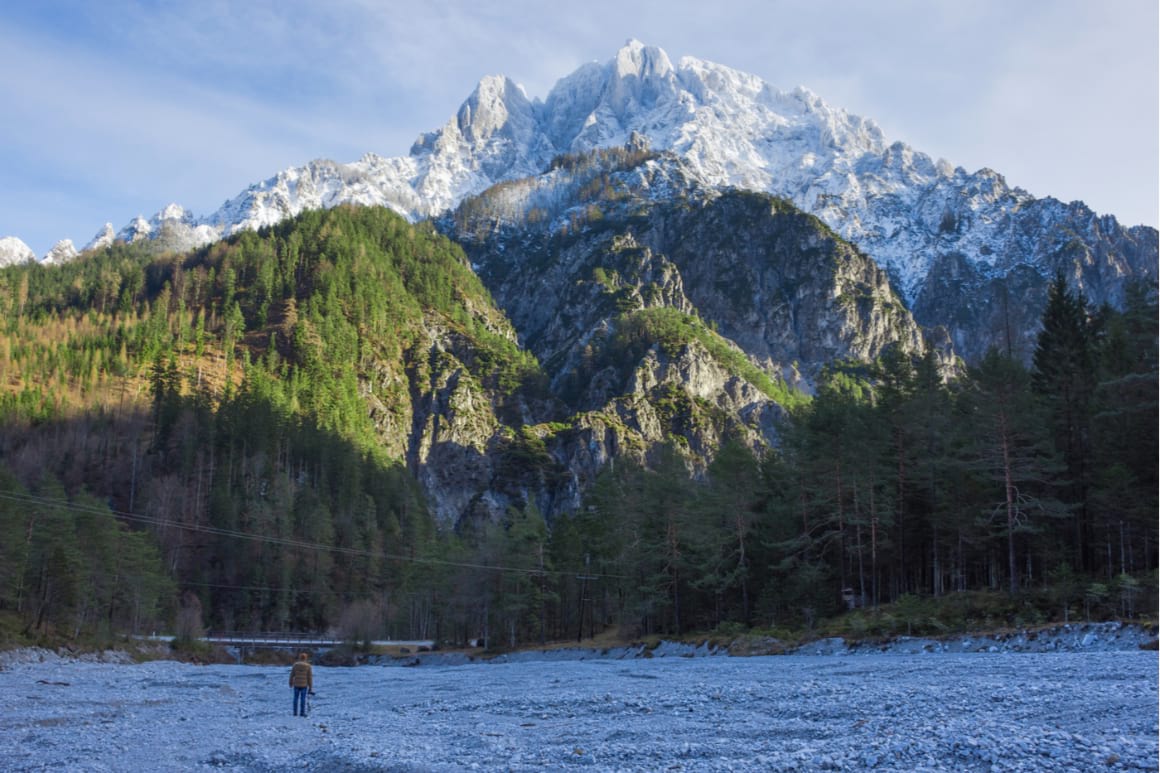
x=992, y=293
x=686, y=321
x=772, y=280
x=783, y=286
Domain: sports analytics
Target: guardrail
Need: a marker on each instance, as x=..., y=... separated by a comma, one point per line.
x=281, y=640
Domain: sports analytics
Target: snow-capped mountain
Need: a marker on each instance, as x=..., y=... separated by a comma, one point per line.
x=175, y=227
x=103, y=238
x=61, y=252
x=14, y=251
x=732, y=129
x=906, y=210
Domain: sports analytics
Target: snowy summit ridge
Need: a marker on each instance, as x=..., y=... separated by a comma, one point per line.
x=13, y=252
x=730, y=128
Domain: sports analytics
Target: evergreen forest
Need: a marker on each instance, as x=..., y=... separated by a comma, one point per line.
x=220, y=440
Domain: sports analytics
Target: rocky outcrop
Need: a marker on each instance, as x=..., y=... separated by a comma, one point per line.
x=992, y=292
x=1072, y=637
x=682, y=321
x=783, y=286
x=774, y=281
x=61, y=252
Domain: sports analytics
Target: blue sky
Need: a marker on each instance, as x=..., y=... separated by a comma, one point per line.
x=117, y=108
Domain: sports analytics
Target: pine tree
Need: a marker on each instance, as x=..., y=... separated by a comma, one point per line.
x=1124, y=433
x=1011, y=453
x=1063, y=377
x=930, y=420
x=730, y=504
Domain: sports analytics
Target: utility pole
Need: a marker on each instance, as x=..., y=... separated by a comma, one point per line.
x=585, y=601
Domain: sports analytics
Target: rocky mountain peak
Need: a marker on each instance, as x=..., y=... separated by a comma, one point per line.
x=14, y=251
x=497, y=106
x=137, y=229
x=641, y=76
x=103, y=238
x=61, y=252
x=637, y=60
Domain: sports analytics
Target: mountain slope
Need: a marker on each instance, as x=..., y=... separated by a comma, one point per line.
x=608, y=232
x=377, y=332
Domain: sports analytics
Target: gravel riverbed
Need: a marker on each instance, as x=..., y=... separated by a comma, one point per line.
x=1058, y=711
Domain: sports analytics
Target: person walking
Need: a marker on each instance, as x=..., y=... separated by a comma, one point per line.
x=302, y=680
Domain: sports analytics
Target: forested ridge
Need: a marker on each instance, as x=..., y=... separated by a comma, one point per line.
x=220, y=439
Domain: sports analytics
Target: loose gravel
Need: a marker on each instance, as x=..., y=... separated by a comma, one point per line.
x=955, y=711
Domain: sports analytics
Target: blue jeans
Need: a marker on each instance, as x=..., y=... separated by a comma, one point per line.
x=300, y=700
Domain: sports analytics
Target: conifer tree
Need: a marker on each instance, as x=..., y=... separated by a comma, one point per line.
x=1063, y=377
x=1011, y=453
x=730, y=506
x=1124, y=433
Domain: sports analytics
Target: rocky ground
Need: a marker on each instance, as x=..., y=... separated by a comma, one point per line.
x=1077, y=637
x=1077, y=710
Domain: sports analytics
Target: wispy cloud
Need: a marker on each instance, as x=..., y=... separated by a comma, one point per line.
x=135, y=131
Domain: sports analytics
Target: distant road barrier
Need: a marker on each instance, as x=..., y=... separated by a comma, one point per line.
x=285, y=640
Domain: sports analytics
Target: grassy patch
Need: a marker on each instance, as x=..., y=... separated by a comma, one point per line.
x=673, y=330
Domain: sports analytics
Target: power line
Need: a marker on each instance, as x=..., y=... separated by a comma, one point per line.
x=272, y=539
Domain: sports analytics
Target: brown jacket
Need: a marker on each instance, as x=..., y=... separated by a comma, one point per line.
x=301, y=675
